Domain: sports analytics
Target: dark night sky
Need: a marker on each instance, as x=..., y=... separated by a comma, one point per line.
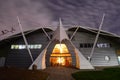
x=35, y=13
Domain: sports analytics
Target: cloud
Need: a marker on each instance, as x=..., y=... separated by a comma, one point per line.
x=73, y=12
x=87, y=12
x=30, y=13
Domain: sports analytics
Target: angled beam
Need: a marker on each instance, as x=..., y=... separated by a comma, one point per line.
x=96, y=39
x=24, y=38
x=46, y=33
x=74, y=33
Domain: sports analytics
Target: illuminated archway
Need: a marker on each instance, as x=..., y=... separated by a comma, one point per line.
x=60, y=56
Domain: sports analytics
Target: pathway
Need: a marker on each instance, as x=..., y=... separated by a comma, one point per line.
x=60, y=73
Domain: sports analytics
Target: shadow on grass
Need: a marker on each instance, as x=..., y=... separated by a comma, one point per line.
x=10, y=73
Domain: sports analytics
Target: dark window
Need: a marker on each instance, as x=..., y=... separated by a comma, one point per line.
x=89, y=45
x=85, y=45
x=81, y=45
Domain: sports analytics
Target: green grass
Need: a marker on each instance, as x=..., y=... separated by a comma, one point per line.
x=21, y=74
x=105, y=74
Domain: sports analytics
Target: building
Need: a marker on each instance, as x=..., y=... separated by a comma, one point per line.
x=60, y=47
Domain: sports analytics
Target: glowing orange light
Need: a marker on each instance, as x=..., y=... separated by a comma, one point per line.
x=61, y=60
x=60, y=48
x=60, y=56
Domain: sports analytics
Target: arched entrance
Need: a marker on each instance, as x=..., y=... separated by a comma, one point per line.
x=60, y=56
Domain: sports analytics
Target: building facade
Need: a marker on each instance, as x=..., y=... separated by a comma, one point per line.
x=61, y=48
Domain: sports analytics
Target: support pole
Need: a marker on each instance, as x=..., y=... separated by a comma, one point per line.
x=46, y=33
x=96, y=39
x=24, y=38
x=74, y=33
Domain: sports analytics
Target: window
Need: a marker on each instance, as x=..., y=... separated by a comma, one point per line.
x=103, y=45
x=21, y=46
x=81, y=45
x=86, y=45
x=35, y=46
x=60, y=48
x=98, y=45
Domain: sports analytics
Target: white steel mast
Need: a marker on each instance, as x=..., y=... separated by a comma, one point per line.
x=25, y=40
x=96, y=39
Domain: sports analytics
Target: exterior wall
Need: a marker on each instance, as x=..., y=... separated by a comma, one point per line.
x=20, y=57
x=2, y=61
x=98, y=58
x=4, y=48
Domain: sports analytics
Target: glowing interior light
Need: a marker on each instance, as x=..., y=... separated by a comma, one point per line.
x=60, y=48
x=60, y=56
x=61, y=60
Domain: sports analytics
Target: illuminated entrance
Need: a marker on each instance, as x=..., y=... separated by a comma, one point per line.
x=60, y=56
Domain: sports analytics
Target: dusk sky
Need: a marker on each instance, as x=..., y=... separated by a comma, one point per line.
x=35, y=13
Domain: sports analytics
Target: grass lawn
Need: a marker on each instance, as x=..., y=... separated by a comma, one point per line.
x=105, y=74
x=21, y=74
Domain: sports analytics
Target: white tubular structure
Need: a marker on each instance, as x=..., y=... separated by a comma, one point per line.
x=40, y=60
x=74, y=33
x=46, y=33
x=96, y=39
x=60, y=33
x=25, y=40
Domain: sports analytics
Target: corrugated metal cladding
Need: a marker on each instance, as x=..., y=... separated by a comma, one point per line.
x=21, y=58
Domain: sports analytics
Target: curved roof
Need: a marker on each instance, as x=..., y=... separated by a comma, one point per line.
x=93, y=30
x=72, y=28
x=105, y=34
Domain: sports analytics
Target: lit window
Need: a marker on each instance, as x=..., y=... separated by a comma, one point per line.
x=21, y=46
x=98, y=45
x=103, y=45
x=16, y=46
x=36, y=46
x=12, y=46
x=60, y=48
x=39, y=46
x=32, y=47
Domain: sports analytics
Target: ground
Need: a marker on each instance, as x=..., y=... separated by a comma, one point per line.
x=60, y=73
x=50, y=73
x=10, y=73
